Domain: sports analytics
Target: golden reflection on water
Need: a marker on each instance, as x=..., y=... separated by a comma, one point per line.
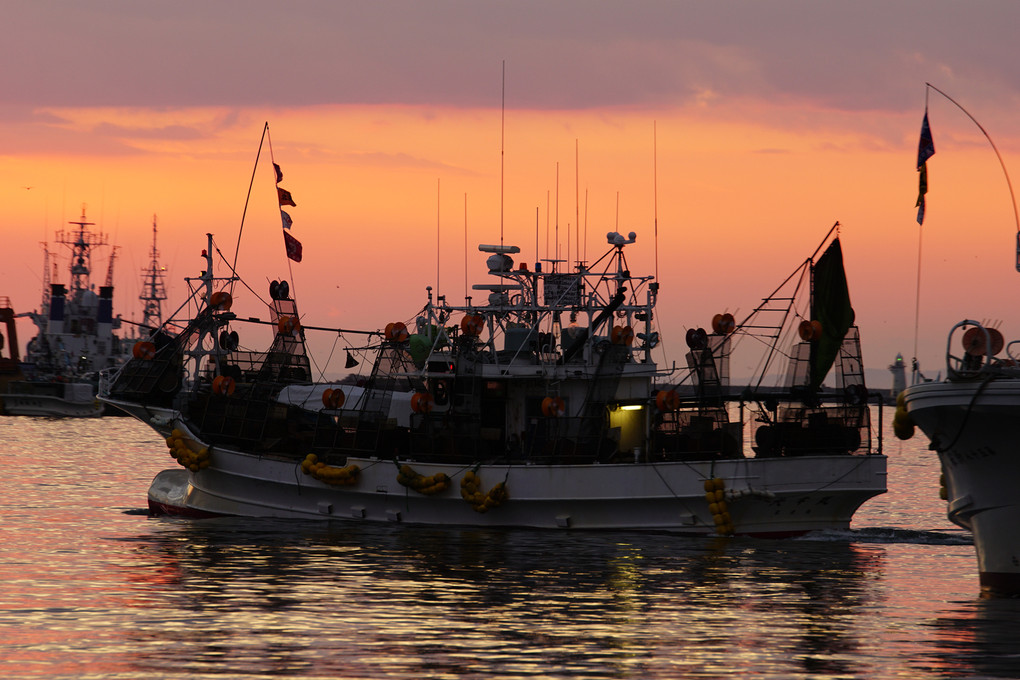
x=89, y=590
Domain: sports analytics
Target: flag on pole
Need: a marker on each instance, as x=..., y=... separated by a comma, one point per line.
x=286, y=219
x=285, y=197
x=925, y=150
x=279, y=173
x=293, y=247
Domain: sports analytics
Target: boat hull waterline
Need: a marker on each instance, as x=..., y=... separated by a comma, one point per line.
x=975, y=429
x=41, y=400
x=772, y=497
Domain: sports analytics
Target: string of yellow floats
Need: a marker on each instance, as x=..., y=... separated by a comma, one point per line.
x=470, y=490
x=183, y=450
x=715, y=494
x=330, y=474
x=427, y=485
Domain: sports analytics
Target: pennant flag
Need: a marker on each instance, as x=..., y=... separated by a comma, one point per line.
x=922, y=190
x=293, y=247
x=279, y=173
x=285, y=197
x=925, y=147
x=925, y=150
x=286, y=219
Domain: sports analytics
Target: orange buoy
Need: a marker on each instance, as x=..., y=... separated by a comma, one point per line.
x=421, y=402
x=975, y=344
x=553, y=407
x=143, y=350
x=223, y=384
x=667, y=400
x=723, y=324
x=396, y=331
x=288, y=325
x=472, y=324
x=333, y=398
x=221, y=300
x=622, y=335
x=810, y=330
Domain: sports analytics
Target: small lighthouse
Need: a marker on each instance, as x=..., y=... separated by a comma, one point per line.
x=899, y=373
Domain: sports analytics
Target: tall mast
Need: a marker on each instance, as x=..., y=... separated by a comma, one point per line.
x=153, y=289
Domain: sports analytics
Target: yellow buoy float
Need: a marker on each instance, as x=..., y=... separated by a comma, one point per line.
x=427, y=485
x=186, y=452
x=330, y=474
x=903, y=424
x=715, y=495
x=471, y=491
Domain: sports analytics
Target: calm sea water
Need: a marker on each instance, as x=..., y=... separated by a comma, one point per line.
x=90, y=587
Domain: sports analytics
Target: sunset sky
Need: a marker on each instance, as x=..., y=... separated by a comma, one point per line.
x=746, y=128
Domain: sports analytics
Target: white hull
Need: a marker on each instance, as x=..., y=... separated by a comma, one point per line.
x=766, y=497
x=51, y=406
x=975, y=428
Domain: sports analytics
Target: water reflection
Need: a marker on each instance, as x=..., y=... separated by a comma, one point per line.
x=300, y=599
x=978, y=638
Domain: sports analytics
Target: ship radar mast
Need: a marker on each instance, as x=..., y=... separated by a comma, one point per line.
x=81, y=241
x=153, y=287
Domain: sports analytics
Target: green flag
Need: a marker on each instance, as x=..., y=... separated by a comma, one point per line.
x=830, y=305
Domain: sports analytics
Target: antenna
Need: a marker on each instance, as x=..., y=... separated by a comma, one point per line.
x=502, y=146
x=1009, y=184
x=557, y=239
x=437, y=236
x=577, y=200
x=655, y=193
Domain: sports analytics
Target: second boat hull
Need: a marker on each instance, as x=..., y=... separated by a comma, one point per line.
x=975, y=430
x=775, y=497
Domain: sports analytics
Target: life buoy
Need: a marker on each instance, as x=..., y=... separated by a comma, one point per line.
x=553, y=407
x=333, y=398
x=472, y=324
x=421, y=402
x=221, y=301
x=223, y=385
x=667, y=400
x=396, y=331
x=143, y=350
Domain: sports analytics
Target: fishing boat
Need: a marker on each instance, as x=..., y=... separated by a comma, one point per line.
x=972, y=418
x=535, y=403
x=77, y=334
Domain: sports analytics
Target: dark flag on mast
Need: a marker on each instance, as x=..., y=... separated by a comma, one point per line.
x=293, y=247
x=285, y=197
x=925, y=150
